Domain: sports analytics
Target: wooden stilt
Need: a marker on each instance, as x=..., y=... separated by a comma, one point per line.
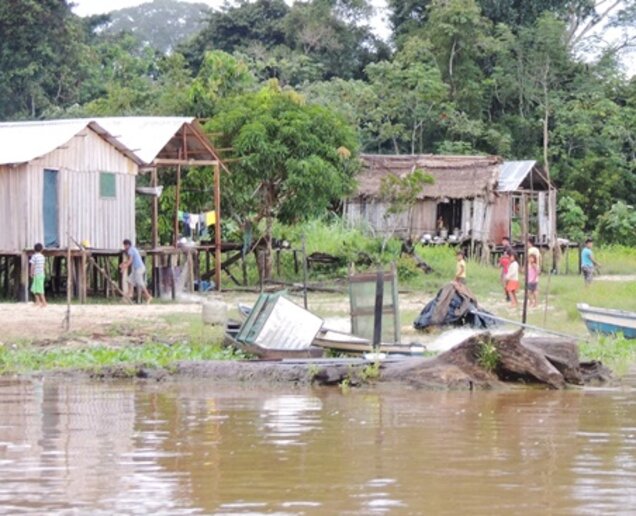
x=24, y=277
x=217, y=226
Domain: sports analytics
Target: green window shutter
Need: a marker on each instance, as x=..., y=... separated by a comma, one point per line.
x=107, y=185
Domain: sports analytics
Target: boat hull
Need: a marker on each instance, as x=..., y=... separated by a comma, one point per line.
x=609, y=322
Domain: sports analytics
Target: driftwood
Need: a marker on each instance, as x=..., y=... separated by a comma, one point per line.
x=552, y=362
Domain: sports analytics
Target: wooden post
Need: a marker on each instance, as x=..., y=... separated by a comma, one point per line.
x=84, y=278
x=69, y=285
x=154, y=220
x=217, y=226
x=177, y=202
x=155, y=229
x=377, y=315
x=24, y=277
x=304, y=272
x=524, y=315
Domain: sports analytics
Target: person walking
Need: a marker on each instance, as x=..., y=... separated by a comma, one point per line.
x=138, y=276
x=512, y=280
x=588, y=263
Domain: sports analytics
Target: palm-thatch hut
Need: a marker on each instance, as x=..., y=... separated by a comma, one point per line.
x=476, y=198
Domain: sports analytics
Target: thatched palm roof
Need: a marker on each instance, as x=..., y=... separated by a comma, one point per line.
x=455, y=177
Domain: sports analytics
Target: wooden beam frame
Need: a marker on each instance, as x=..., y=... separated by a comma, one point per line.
x=164, y=162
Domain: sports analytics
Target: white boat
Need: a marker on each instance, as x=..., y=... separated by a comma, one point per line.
x=608, y=321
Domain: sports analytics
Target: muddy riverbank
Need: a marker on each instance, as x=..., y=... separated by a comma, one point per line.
x=483, y=361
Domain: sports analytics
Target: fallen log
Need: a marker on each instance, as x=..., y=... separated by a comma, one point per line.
x=485, y=360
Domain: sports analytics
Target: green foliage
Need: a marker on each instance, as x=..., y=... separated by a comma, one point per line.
x=618, y=225
x=464, y=77
x=616, y=352
x=407, y=268
x=220, y=76
x=402, y=192
x=370, y=372
x=26, y=358
x=488, y=356
x=42, y=51
x=294, y=158
x=571, y=219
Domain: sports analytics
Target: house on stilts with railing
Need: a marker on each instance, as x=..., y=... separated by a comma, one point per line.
x=72, y=186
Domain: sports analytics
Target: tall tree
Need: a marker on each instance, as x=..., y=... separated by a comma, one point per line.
x=294, y=158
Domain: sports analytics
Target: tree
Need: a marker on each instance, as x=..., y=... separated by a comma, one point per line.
x=294, y=159
x=402, y=193
x=237, y=27
x=618, y=225
x=410, y=96
x=220, y=75
x=41, y=46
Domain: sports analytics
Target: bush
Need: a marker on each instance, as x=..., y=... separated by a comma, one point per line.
x=618, y=225
x=571, y=219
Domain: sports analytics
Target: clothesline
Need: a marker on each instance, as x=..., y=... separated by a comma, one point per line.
x=196, y=223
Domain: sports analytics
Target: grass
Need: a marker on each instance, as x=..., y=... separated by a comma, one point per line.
x=618, y=353
x=22, y=359
x=186, y=338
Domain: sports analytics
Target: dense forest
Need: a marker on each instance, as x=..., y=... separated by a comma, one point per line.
x=522, y=79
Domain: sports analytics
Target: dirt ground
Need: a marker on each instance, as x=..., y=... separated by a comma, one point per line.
x=22, y=322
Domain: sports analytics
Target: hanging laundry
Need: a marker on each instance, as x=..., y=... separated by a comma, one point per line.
x=210, y=218
x=194, y=221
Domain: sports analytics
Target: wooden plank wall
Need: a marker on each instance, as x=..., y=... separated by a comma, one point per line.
x=372, y=214
x=13, y=208
x=103, y=222
x=501, y=211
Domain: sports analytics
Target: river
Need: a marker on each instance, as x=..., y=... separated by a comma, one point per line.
x=191, y=447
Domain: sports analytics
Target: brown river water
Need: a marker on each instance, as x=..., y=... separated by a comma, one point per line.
x=189, y=447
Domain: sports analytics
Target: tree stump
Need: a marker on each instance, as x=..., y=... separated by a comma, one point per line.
x=553, y=362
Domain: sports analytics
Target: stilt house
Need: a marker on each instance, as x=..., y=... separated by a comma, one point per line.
x=66, y=177
x=476, y=198
x=62, y=179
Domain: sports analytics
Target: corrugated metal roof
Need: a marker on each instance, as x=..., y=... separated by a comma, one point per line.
x=21, y=142
x=512, y=174
x=146, y=136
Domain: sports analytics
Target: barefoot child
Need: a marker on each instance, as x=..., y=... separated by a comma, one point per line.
x=37, y=273
x=512, y=280
x=533, y=279
x=460, y=271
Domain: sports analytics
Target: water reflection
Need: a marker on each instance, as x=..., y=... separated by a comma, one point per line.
x=184, y=448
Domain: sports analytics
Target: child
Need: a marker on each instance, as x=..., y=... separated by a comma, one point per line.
x=37, y=273
x=588, y=263
x=504, y=263
x=460, y=271
x=512, y=280
x=533, y=279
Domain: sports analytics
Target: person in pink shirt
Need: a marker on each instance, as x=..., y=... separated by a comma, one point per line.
x=533, y=280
